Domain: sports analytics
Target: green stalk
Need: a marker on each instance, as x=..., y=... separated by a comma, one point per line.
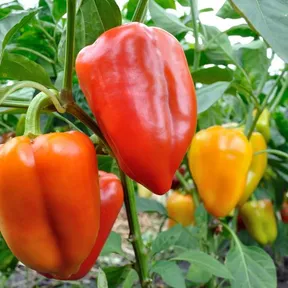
x=32, y=125
x=265, y=102
x=187, y=188
x=140, y=11
x=66, y=93
x=135, y=233
x=278, y=98
x=273, y=151
x=197, y=51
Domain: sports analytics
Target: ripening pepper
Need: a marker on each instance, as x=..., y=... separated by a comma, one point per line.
x=180, y=208
x=263, y=124
x=284, y=212
x=50, y=200
x=111, y=194
x=138, y=85
x=259, y=219
x=257, y=167
x=219, y=159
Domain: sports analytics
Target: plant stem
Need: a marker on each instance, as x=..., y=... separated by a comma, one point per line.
x=197, y=51
x=66, y=93
x=265, y=102
x=278, y=98
x=135, y=233
x=272, y=151
x=140, y=11
x=186, y=186
x=32, y=124
x=80, y=114
x=35, y=53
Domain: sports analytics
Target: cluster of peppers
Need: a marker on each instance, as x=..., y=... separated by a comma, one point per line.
x=224, y=155
x=61, y=208
x=138, y=85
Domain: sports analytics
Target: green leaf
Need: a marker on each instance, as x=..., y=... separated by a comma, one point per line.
x=116, y=275
x=269, y=18
x=166, y=4
x=242, y=30
x=149, y=205
x=205, y=262
x=45, y=13
x=7, y=7
x=251, y=267
x=18, y=67
x=131, y=278
x=197, y=275
x=281, y=243
x=113, y=245
x=165, y=20
x=209, y=94
x=219, y=49
x=227, y=11
x=105, y=163
x=253, y=59
x=97, y=16
x=59, y=9
x=101, y=279
x=212, y=74
x=12, y=24
x=170, y=273
x=176, y=236
x=8, y=261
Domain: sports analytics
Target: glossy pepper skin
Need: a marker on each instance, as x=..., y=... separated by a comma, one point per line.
x=219, y=159
x=259, y=219
x=139, y=87
x=263, y=124
x=181, y=208
x=50, y=200
x=111, y=194
x=257, y=167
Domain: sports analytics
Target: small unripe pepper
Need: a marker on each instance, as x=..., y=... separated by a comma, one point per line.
x=263, y=124
x=181, y=208
x=257, y=167
x=50, y=200
x=260, y=221
x=219, y=159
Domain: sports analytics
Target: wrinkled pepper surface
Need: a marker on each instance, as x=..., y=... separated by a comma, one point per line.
x=138, y=85
x=263, y=124
x=111, y=194
x=257, y=167
x=181, y=208
x=259, y=219
x=219, y=160
x=50, y=200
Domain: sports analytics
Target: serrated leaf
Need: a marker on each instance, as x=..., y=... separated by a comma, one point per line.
x=113, y=245
x=18, y=67
x=210, y=94
x=149, y=205
x=165, y=20
x=205, y=262
x=251, y=267
x=170, y=273
x=11, y=24
x=269, y=18
x=176, y=236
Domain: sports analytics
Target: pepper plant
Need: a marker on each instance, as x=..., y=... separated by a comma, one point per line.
x=225, y=227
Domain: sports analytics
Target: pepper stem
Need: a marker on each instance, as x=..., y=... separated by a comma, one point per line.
x=135, y=233
x=32, y=124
